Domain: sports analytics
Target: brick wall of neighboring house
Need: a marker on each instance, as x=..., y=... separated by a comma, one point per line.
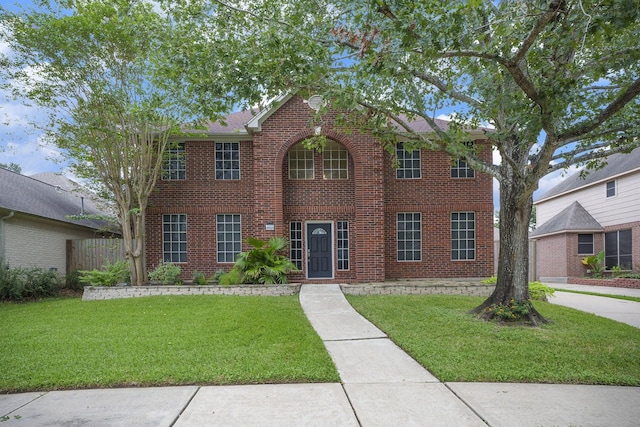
x=369, y=200
x=552, y=256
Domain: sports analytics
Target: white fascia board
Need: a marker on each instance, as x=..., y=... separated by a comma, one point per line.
x=255, y=124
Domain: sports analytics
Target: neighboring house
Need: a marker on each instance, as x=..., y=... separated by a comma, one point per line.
x=582, y=216
x=35, y=223
x=348, y=213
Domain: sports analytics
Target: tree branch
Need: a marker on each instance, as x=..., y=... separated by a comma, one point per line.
x=544, y=20
x=616, y=105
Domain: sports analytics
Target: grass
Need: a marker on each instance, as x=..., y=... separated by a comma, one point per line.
x=67, y=343
x=623, y=297
x=577, y=348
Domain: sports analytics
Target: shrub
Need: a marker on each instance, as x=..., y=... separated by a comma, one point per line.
x=72, y=281
x=537, y=290
x=199, y=278
x=167, y=273
x=19, y=284
x=540, y=291
x=109, y=275
x=595, y=263
x=262, y=264
x=233, y=277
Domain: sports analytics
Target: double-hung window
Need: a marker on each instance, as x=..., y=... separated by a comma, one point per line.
x=460, y=168
x=463, y=236
x=611, y=188
x=409, y=236
x=229, y=237
x=585, y=244
x=300, y=162
x=174, y=238
x=409, y=165
x=174, y=166
x=335, y=161
x=227, y=160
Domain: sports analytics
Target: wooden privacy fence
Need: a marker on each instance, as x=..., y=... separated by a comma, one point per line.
x=533, y=257
x=88, y=254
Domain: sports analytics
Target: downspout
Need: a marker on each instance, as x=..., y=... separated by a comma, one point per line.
x=2, y=238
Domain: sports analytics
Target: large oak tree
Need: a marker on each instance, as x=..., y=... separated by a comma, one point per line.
x=558, y=80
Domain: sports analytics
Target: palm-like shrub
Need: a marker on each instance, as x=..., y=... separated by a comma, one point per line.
x=262, y=264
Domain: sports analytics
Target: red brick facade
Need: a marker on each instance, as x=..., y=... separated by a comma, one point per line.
x=369, y=200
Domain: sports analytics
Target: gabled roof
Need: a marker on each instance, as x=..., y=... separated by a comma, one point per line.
x=574, y=218
x=249, y=121
x=28, y=195
x=617, y=164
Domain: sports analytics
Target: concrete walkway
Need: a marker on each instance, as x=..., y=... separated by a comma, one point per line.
x=621, y=310
x=380, y=386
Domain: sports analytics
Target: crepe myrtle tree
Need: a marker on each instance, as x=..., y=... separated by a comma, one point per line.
x=101, y=68
x=556, y=81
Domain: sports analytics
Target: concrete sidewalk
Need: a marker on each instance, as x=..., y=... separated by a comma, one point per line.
x=621, y=310
x=380, y=386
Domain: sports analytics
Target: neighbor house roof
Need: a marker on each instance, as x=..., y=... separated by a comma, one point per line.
x=574, y=218
x=617, y=164
x=31, y=196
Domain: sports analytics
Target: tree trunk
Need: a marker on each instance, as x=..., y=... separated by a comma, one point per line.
x=511, y=295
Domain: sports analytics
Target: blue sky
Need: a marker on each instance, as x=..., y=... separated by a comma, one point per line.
x=21, y=144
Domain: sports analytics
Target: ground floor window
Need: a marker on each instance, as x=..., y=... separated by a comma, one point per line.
x=343, y=245
x=409, y=236
x=174, y=238
x=295, y=243
x=229, y=237
x=617, y=248
x=585, y=244
x=463, y=236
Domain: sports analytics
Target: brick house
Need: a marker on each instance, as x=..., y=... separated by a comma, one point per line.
x=582, y=216
x=349, y=214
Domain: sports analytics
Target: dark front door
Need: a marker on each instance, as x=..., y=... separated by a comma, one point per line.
x=319, y=259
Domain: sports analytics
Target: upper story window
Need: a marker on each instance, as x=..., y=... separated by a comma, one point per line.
x=300, y=162
x=227, y=160
x=408, y=163
x=460, y=168
x=611, y=188
x=175, y=163
x=585, y=244
x=335, y=161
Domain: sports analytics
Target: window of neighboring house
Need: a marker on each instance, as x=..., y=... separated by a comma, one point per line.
x=611, y=188
x=408, y=163
x=175, y=163
x=295, y=243
x=585, y=244
x=343, y=245
x=174, y=238
x=617, y=248
x=229, y=237
x=463, y=236
x=227, y=160
x=335, y=161
x=300, y=162
x=409, y=236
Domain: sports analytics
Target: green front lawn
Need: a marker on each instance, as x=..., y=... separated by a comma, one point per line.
x=68, y=343
x=577, y=348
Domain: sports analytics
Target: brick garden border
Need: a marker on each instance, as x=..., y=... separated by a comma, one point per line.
x=617, y=282
x=92, y=293
x=427, y=287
